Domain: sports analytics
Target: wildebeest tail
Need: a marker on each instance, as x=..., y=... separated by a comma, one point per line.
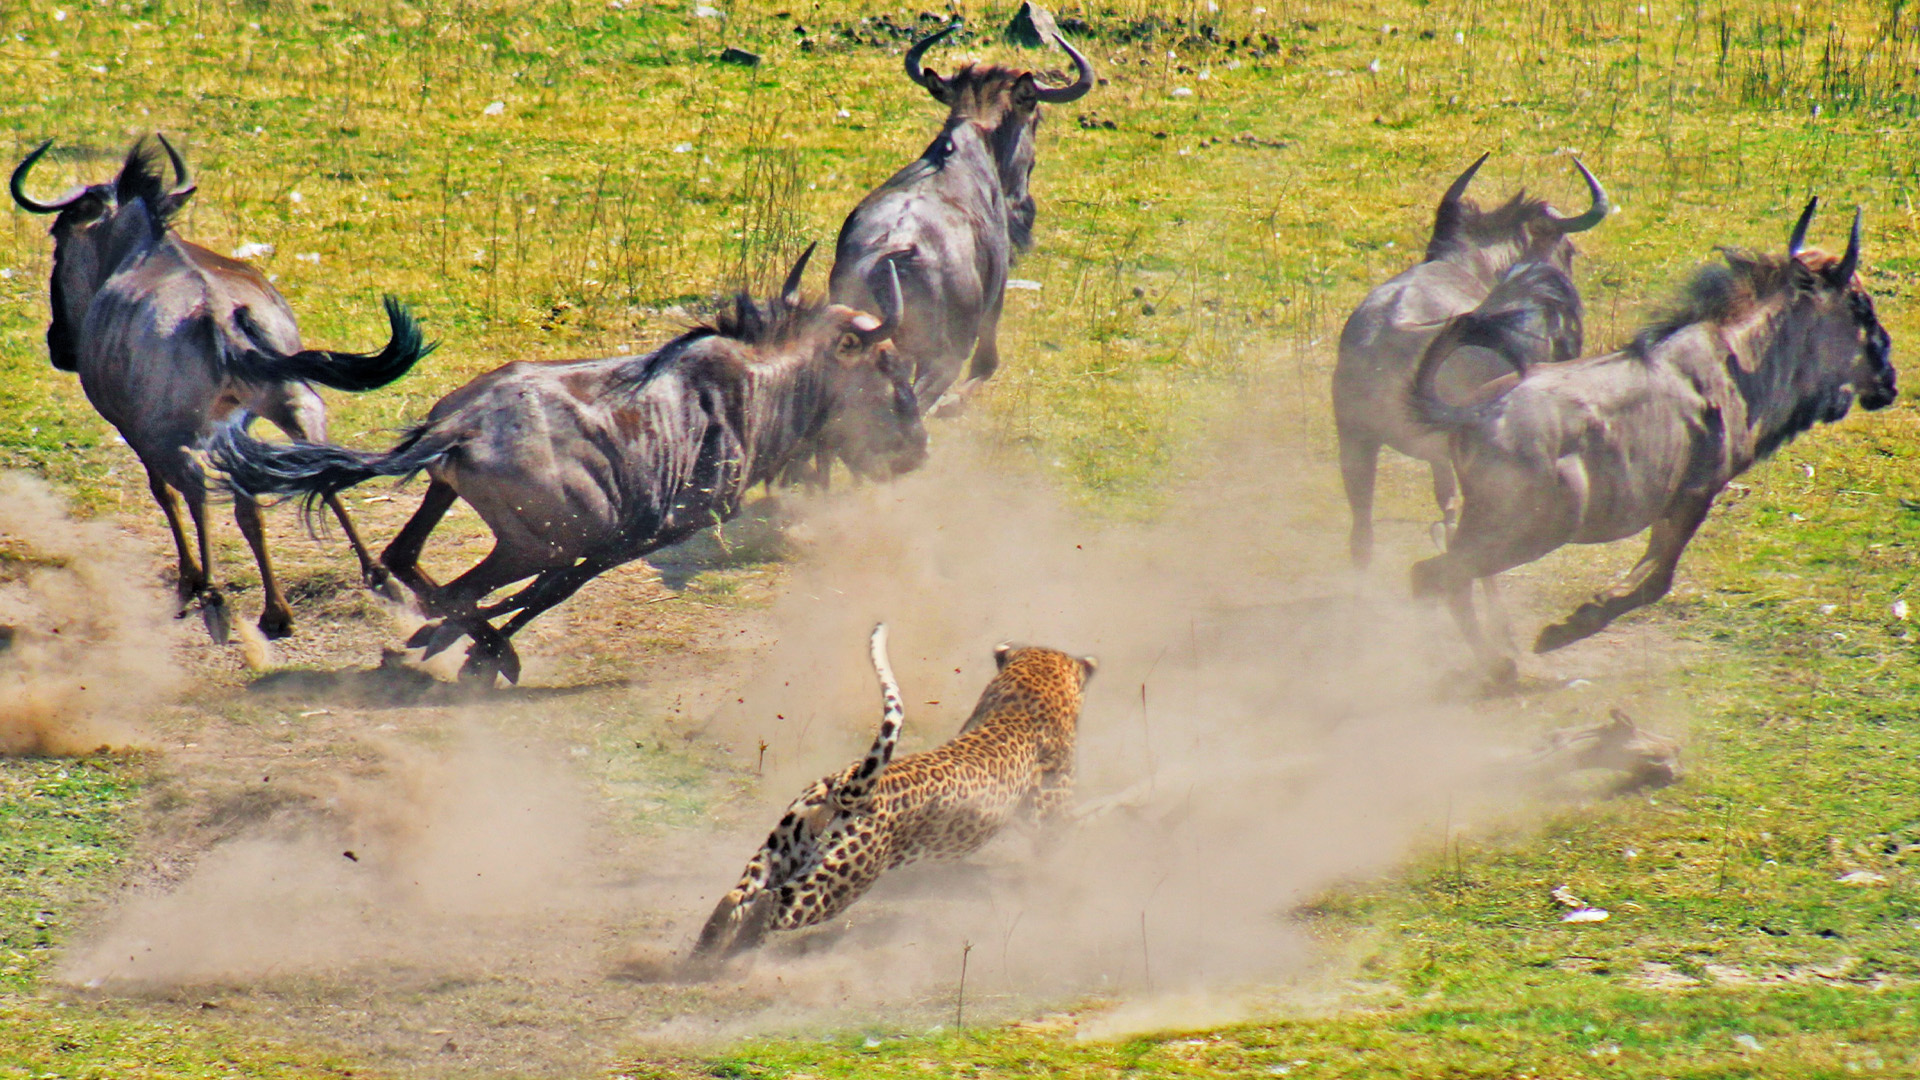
x=1495, y=331
x=1532, y=316
x=340, y=370
x=313, y=471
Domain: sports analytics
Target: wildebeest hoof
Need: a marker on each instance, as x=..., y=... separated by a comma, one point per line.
x=949, y=405
x=275, y=625
x=1558, y=636
x=1502, y=672
x=437, y=637
x=483, y=664
x=382, y=584
x=491, y=653
x=218, y=620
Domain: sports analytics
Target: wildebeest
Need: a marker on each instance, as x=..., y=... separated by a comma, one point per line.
x=953, y=220
x=1470, y=252
x=579, y=466
x=170, y=339
x=1597, y=449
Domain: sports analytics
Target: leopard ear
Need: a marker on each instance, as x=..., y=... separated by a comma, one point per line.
x=1000, y=654
x=1088, y=665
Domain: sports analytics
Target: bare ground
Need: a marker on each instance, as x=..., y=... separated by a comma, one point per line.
x=354, y=854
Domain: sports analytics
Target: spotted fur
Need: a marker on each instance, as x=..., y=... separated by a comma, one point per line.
x=1013, y=755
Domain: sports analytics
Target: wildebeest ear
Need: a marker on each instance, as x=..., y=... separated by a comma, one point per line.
x=1088, y=665
x=1001, y=653
x=1026, y=92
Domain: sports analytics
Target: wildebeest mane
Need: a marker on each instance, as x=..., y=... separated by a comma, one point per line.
x=142, y=177
x=748, y=321
x=1718, y=293
x=970, y=83
x=1461, y=224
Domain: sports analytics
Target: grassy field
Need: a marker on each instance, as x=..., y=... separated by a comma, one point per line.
x=561, y=178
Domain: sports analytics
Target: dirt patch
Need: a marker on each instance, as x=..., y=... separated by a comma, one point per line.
x=356, y=854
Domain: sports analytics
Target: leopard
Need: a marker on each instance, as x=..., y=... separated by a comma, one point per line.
x=1012, y=758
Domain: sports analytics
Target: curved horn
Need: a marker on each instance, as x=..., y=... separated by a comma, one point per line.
x=183, y=184
x=1798, y=239
x=1459, y=186
x=18, y=185
x=1843, y=273
x=1059, y=95
x=890, y=304
x=790, y=292
x=919, y=49
x=1596, y=214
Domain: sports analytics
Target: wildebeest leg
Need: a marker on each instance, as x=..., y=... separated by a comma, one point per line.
x=1652, y=576
x=986, y=348
x=457, y=603
x=552, y=587
x=371, y=572
x=303, y=417
x=276, y=617
x=1502, y=625
x=1359, y=461
x=192, y=579
x=213, y=606
x=402, y=556
x=1444, y=490
x=1448, y=578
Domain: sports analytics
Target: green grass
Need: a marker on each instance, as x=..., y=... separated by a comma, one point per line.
x=573, y=222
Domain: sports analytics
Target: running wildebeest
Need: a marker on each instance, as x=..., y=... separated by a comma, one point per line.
x=170, y=339
x=1470, y=252
x=953, y=220
x=1594, y=450
x=579, y=466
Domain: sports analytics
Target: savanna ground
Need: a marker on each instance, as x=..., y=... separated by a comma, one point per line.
x=1208, y=216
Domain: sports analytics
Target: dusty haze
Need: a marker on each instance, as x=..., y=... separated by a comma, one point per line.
x=86, y=654
x=1264, y=725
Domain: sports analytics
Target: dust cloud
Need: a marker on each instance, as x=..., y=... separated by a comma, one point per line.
x=1265, y=724
x=82, y=653
x=437, y=859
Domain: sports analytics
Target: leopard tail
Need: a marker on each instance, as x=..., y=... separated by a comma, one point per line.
x=857, y=788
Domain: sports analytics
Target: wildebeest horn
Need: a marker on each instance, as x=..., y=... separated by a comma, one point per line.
x=1595, y=214
x=790, y=292
x=1798, y=239
x=1843, y=273
x=183, y=184
x=1459, y=186
x=19, y=186
x=890, y=305
x=1058, y=95
x=919, y=49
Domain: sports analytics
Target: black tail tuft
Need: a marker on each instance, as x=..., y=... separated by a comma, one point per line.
x=354, y=372
x=312, y=471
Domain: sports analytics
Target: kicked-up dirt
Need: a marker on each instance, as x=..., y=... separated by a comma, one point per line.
x=343, y=849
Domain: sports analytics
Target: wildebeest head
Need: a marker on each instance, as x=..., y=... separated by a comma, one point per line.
x=1847, y=353
x=96, y=226
x=1825, y=345
x=872, y=418
x=1520, y=227
x=1004, y=104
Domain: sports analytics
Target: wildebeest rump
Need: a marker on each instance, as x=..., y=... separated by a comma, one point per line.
x=579, y=466
x=1470, y=252
x=170, y=339
x=953, y=220
x=1597, y=449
